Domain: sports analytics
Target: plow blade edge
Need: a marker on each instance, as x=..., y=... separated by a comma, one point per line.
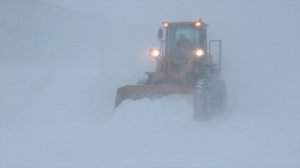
x=135, y=92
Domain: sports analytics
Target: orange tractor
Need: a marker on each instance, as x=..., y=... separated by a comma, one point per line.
x=186, y=64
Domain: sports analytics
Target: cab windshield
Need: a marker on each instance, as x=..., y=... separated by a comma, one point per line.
x=180, y=39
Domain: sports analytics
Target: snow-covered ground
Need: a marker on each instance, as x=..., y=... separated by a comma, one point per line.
x=61, y=62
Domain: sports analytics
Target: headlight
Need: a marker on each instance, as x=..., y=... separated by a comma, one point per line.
x=198, y=23
x=165, y=24
x=199, y=53
x=154, y=53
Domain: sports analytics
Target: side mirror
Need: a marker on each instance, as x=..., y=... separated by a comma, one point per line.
x=160, y=34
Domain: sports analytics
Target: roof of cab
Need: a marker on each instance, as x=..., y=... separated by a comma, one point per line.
x=186, y=23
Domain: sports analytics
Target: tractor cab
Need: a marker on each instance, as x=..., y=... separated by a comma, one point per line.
x=183, y=39
x=183, y=53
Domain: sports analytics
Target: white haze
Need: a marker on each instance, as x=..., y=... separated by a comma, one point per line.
x=61, y=62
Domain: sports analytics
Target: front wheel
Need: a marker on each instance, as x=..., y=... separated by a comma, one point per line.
x=210, y=99
x=220, y=95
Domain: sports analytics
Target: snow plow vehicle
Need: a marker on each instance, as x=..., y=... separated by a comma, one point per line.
x=188, y=64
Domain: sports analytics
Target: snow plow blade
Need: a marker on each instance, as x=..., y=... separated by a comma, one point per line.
x=135, y=92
